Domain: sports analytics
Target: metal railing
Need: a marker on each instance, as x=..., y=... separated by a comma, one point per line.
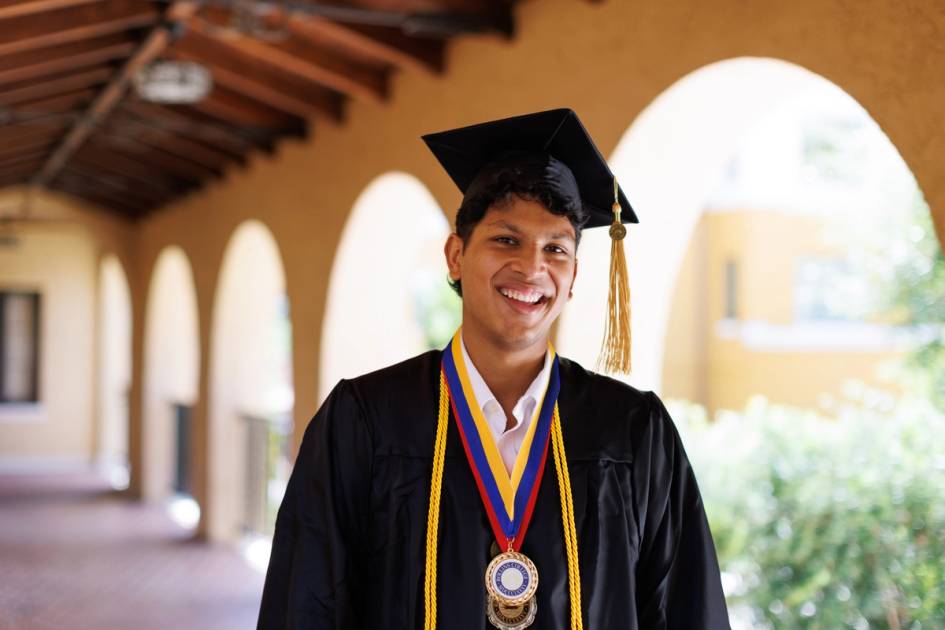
x=266, y=470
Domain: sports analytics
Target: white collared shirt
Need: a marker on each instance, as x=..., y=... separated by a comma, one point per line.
x=508, y=442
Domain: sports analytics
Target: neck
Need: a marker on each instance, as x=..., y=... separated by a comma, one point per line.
x=507, y=372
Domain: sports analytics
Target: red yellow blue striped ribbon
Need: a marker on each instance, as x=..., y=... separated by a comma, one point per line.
x=508, y=500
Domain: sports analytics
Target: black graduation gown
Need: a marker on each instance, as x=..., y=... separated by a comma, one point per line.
x=349, y=543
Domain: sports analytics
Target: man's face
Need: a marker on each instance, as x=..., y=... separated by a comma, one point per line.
x=517, y=268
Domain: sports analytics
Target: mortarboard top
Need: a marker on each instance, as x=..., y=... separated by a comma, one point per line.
x=464, y=152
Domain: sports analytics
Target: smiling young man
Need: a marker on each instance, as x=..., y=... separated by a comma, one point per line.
x=494, y=483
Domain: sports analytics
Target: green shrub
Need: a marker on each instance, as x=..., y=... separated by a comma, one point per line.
x=826, y=522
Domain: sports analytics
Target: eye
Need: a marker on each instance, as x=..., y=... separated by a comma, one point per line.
x=556, y=249
x=507, y=240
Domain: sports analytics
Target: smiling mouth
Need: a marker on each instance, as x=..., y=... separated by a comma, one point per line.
x=527, y=298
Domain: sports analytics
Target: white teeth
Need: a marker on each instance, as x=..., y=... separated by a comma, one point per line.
x=530, y=297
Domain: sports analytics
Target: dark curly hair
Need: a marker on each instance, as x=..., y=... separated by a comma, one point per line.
x=531, y=176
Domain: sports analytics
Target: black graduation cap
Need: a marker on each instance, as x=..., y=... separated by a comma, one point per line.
x=569, y=160
x=464, y=152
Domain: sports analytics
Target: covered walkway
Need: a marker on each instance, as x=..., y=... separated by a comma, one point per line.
x=75, y=555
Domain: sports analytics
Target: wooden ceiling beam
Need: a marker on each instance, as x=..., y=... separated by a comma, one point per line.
x=170, y=146
x=33, y=158
x=13, y=134
x=242, y=73
x=60, y=103
x=119, y=185
x=427, y=19
x=193, y=150
x=71, y=61
x=63, y=51
x=259, y=92
x=62, y=27
x=127, y=162
x=236, y=110
x=146, y=185
x=159, y=157
x=23, y=169
x=387, y=45
x=81, y=191
x=56, y=111
x=302, y=60
x=93, y=185
x=32, y=7
x=187, y=122
x=13, y=180
x=153, y=46
x=53, y=87
x=13, y=149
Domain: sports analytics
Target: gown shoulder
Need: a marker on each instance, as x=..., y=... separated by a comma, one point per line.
x=399, y=405
x=602, y=417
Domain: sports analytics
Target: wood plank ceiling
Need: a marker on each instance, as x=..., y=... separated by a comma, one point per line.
x=71, y=121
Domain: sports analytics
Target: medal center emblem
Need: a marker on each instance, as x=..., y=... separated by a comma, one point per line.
x=511, y=578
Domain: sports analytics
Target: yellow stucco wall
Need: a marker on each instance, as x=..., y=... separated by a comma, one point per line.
x=685, y=360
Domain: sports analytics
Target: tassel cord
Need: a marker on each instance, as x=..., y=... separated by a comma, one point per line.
x=614, y=354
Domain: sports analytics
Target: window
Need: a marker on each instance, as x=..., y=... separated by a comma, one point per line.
x=19, y=347
x=731, y=289
x=830, y=289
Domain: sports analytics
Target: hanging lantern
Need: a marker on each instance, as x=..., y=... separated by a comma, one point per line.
x=173, y=82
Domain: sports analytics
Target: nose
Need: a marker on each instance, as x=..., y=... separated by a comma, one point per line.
x=530, y=261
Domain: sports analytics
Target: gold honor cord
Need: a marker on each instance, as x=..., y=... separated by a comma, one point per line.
x=433, y=516
x=567, y=518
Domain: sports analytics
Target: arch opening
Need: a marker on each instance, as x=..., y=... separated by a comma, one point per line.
x=251, y=392
x=171, y=385
x=114, y=371
x=388, y=297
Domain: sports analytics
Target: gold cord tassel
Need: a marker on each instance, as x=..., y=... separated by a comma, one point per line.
x=615, y=350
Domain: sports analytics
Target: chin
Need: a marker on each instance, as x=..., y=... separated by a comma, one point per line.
x=516, y=338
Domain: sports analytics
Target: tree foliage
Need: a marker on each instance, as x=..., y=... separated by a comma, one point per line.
x=915, y=297
x=827, y=522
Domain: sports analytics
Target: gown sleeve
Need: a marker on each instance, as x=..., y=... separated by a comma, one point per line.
x=678, y=580
x=315, y=570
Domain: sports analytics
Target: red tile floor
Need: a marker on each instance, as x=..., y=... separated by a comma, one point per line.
x=74, y=556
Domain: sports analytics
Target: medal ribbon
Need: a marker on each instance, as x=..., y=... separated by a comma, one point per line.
x=508, y=502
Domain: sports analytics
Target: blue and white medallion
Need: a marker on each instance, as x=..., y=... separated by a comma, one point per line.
x=511, y=578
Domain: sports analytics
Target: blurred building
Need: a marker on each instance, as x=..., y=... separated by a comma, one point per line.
x=752, y=314
x=781, y=290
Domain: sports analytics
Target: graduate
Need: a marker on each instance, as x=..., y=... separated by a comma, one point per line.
x=494, y=483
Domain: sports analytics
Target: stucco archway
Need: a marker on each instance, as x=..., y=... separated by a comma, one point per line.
x=388, y=298
x=670, y=159
x=251, y=395
x=171, y=368
x=114, y=370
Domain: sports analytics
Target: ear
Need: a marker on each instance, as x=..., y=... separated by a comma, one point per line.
x=573, y=278
x=453, y=250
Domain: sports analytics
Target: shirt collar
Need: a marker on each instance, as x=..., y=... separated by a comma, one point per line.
x=485, y=398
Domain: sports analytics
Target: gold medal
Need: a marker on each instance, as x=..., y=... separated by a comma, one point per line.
x=511, y=617
x=511, y=579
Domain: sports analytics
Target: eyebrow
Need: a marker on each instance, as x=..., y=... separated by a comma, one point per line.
x=516, y=230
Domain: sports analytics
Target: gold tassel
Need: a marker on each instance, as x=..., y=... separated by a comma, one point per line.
x=615, y=350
